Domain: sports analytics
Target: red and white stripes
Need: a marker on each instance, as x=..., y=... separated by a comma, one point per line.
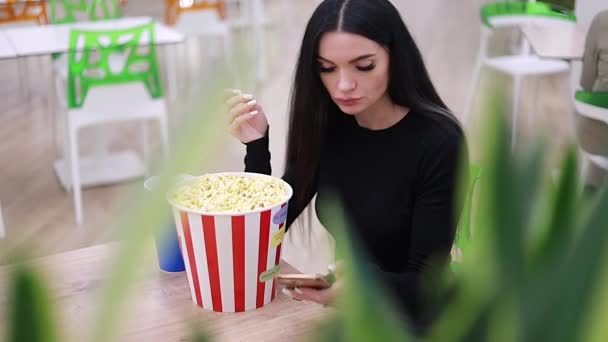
x=225, y=257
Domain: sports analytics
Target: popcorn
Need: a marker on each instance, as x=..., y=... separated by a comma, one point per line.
x=220, y=193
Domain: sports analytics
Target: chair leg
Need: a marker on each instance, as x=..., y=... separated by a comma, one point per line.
x=193, y=56
x=472, y=91
x=515, y=109
x=54, y=107
x=569, y=92
x=585, y=166
x=260, y=39
x=144, y=147
x=41, y=71
x=67, y=159
x=172, y=70
x=2, y=228
x=530, y=117
x=75, y=174
x=164, y=134
x=24, y=91
x=231, y=64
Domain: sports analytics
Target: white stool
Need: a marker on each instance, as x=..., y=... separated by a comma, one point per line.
x=519, y=66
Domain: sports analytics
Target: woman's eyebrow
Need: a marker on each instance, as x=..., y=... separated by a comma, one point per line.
x=351, y=61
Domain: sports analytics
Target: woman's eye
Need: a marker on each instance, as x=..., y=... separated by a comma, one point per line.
x=326, y=69
x=369, y=67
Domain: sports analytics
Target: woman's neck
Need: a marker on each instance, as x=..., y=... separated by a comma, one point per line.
x=381, y=115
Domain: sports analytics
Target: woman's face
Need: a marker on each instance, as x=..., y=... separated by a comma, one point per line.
x=354, y=70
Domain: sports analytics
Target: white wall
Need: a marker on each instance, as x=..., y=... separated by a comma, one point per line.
x=586, y=9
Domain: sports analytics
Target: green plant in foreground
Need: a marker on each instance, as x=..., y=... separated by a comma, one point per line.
x=536, y=264
x=30, y=317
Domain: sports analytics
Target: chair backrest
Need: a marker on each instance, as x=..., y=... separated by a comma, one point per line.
x=463, y=233
x=66, y=11
x=12, y=12
x=513, y=14
x=173, y=8
x=89, y=63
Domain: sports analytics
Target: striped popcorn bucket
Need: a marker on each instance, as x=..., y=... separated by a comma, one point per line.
x=231, y=258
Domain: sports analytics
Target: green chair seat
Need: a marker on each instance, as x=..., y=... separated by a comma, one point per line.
x=541, y=9
x=598, y=99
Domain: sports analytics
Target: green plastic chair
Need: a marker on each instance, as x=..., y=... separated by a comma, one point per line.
x=463, y=232
x=94, y=10
x=121, y=66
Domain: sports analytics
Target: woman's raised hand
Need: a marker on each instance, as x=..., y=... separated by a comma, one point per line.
x=247, y=121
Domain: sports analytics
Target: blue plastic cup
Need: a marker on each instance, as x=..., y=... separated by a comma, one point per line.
x=167, y=246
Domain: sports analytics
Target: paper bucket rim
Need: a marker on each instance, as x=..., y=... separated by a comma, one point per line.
x=230, y=213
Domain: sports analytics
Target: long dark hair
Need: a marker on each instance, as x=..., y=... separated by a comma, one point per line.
x=311, y=105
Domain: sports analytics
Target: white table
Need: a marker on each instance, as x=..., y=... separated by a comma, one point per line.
x=48, y=39
x=7, y=50
x=559, y=42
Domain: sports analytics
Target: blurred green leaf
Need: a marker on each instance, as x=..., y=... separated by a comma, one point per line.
x=30, y=316
x=504, y=319
x=511, y=190
x=557, y=305
x=556, y=234
x=595, y=327
x=199, y=335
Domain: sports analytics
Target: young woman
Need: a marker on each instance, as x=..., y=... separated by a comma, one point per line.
x=367, y=124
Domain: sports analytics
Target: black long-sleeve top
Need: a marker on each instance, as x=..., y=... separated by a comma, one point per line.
x=398, y=188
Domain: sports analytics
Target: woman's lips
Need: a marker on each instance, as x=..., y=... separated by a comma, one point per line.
x=344, y=101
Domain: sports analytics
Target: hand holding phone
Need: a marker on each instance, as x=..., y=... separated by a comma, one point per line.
x=315, y=281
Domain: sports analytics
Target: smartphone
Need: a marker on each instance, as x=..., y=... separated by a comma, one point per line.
x=315, y=281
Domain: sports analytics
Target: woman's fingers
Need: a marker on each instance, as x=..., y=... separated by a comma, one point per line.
x=325, y=296
x=237, y=99
x=239, y=120
x=228, y=93
x=243, y=108
x=312, y=295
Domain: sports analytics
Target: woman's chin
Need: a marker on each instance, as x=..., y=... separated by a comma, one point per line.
x=350, y=110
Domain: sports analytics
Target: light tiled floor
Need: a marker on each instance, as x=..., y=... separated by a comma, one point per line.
x=38, y=212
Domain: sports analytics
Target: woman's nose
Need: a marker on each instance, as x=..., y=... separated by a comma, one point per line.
x=346, y=83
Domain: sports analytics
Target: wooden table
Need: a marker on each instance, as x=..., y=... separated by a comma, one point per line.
x=160, y=307
x=556, y=41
